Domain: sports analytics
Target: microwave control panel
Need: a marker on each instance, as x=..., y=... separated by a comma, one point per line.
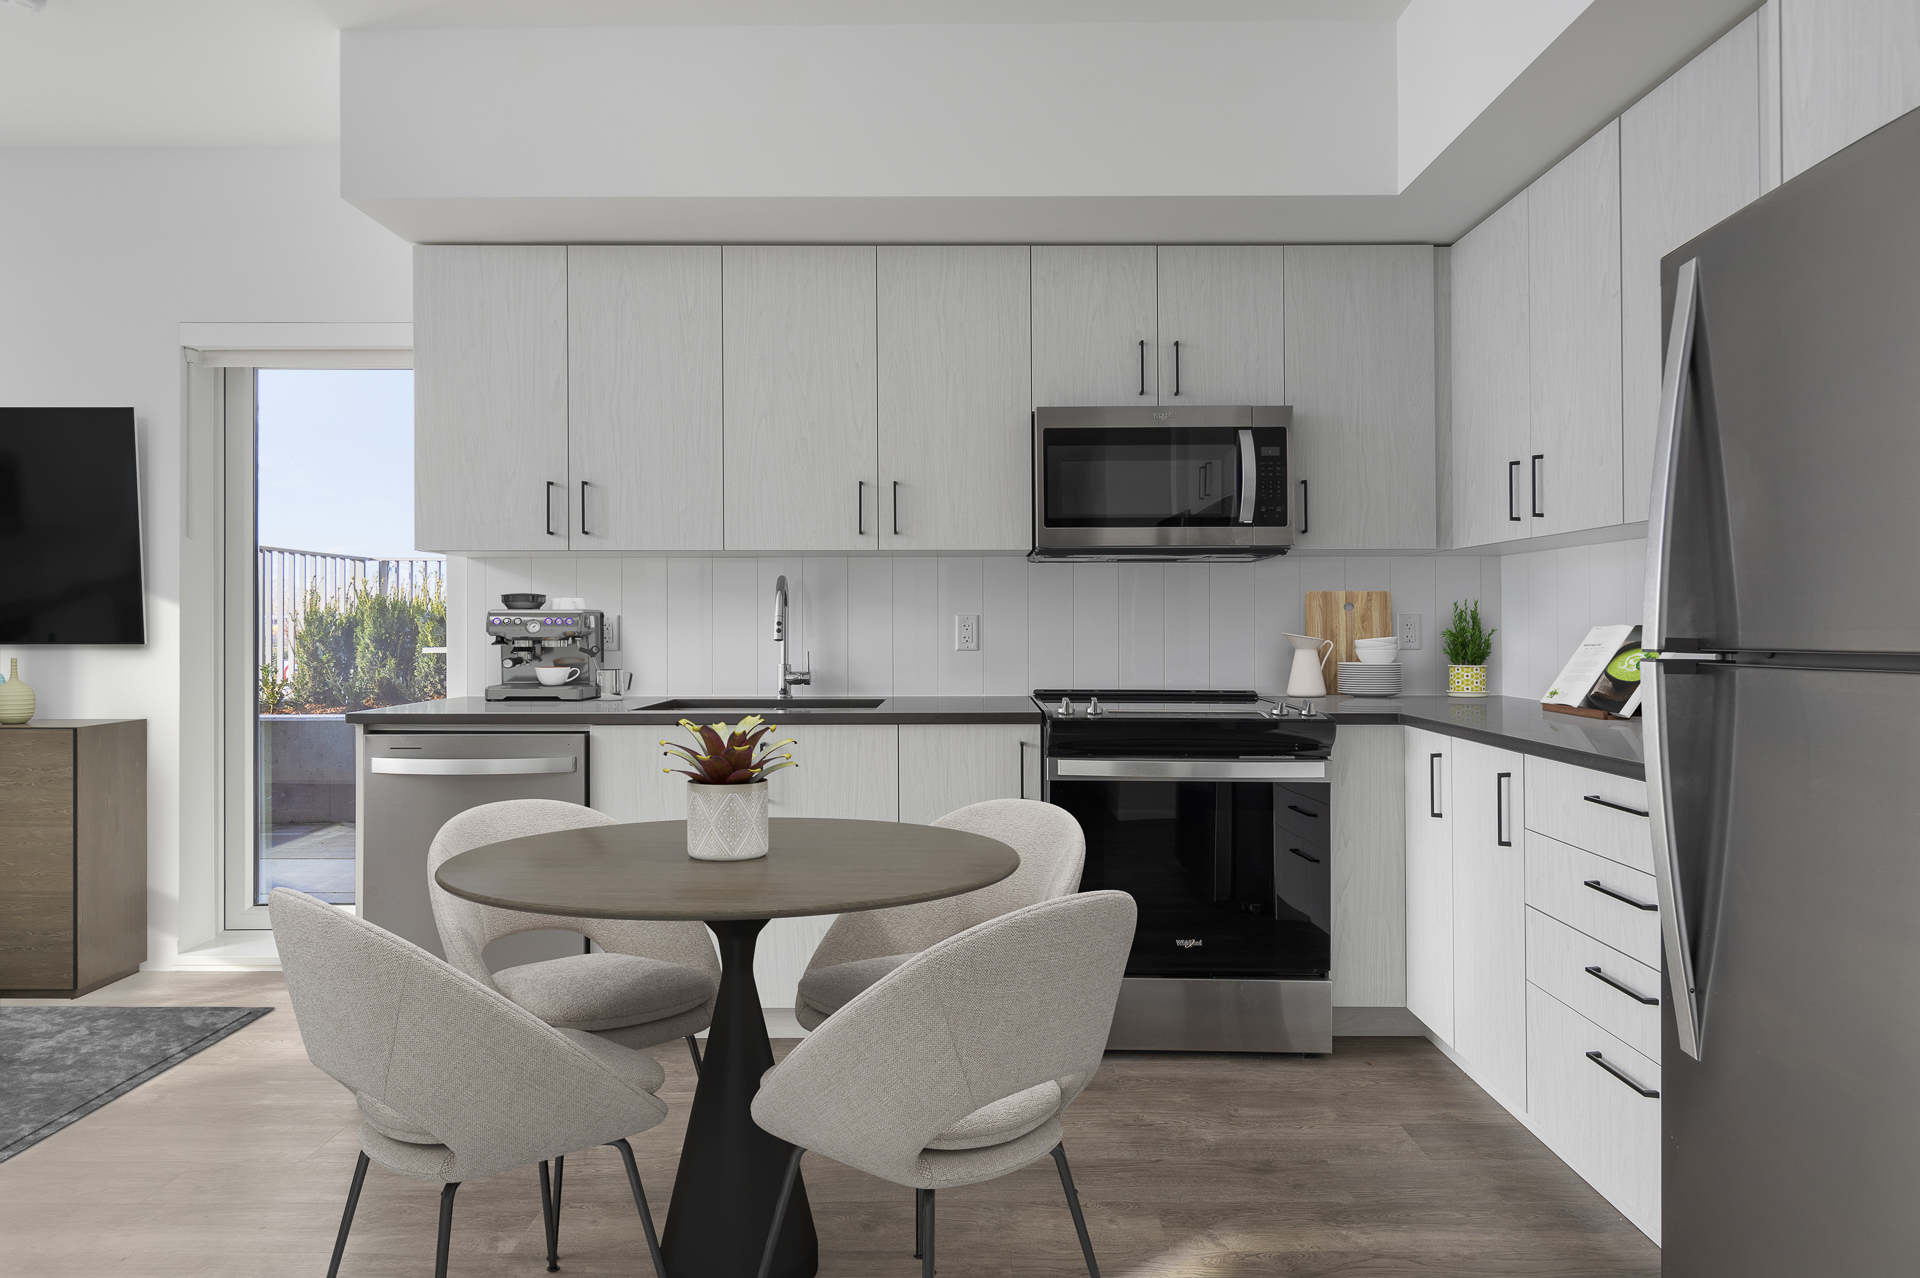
x=1270, y=484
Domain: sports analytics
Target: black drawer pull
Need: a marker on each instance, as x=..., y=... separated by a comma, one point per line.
x=1303, y=812
x=1629, y=991
x=1303, y=856
x=1607, y=891
x=1608, y=1066
x=1617, y=807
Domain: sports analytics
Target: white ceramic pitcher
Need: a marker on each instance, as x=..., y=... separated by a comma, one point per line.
x=1308, y=678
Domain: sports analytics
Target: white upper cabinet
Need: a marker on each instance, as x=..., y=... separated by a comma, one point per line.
x=1222, y=325
x=1360, y=369
x=800, y=450
x=1573, y=469
x=644, y=378
x=1492, y=392
x=1689, y=156
x=1094, y=326
x=956, y=393
x=490, y=398
x=1846, y=68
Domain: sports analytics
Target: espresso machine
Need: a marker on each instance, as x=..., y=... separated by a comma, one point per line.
x=544, y=646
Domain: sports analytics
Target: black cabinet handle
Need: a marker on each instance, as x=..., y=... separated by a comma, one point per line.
x=896, y=508
x=1534, y=477
x=1303, y=812
x=1143, y=366
x=1303, y=508
x=1512, y=467
x=860, y=508
x=1303, y=856
x=1608, y=1066
x=1595, y=884
x=550, y=487
x=1176, y=368
x=1608, y=803
x=1433, y=786
x=583, y=509
x=1502, y=783
x=1629, y=991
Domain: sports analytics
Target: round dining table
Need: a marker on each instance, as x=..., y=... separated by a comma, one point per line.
x=730, y=1170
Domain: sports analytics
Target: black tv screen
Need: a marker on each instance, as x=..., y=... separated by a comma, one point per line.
x=70, y=527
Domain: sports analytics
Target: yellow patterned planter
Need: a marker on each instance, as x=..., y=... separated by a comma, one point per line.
x=1466, y=681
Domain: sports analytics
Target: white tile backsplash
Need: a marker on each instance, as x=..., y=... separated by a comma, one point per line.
x=1549, y=599
x=879, y=626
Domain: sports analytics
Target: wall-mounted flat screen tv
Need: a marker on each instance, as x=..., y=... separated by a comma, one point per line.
x=70, y=527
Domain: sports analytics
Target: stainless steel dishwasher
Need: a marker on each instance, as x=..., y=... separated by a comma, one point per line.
x=412, y=783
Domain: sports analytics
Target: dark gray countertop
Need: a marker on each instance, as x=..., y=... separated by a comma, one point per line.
x=1511, y=723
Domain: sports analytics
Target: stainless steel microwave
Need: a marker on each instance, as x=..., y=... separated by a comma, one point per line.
x=1149, y=483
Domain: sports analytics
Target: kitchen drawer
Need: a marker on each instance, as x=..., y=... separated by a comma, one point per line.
x=1603, y=1128
x=1572, y=805
x=1557, y=879
x=1575, y=968
x=1303, y=813
x=1303, y=878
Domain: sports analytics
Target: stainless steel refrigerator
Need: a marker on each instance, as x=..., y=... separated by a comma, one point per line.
x=1784, y=761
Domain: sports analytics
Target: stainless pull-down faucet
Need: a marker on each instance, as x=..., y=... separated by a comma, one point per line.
x=787, y=675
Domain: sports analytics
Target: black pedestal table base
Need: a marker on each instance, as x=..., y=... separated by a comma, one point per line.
x=730, y=1170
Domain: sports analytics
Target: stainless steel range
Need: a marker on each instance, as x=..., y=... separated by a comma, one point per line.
x=1212, y=809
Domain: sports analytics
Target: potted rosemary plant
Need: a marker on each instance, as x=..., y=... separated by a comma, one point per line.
x=1468, y=644
x=727, y=786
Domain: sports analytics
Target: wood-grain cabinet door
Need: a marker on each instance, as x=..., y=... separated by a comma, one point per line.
x=800, y=451
x=1491, y=391
x=1360, y=377
x=37, y=859
x=1222, y=324
x=490, y=397
x=944, y=767
x=956, y=394
x=644, y=383
x=1429, y=818
x=1489, y=919
x=1573, y=466
x=1094, y=326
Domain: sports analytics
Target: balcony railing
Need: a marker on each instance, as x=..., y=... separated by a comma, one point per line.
x=285, y=576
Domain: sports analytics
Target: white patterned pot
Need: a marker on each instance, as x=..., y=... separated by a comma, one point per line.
x=1466, y=681
x=726, y=822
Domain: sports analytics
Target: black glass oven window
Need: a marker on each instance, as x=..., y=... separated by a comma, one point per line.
x=1141, y=478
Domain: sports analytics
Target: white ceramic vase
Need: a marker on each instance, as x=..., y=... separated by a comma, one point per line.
x=16, y=698
x=726, y=822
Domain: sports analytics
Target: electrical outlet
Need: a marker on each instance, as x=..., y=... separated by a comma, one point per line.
x=1409, y=631
x=966, y=632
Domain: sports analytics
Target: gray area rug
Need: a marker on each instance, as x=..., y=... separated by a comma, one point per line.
x=59, y=1064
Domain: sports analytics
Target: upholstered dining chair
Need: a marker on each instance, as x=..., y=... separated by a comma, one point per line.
x=956, y=1067
x=651, y=982
x=454, y=1081
x=859, y=949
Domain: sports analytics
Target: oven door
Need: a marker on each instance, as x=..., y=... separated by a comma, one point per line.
x=1224, y=891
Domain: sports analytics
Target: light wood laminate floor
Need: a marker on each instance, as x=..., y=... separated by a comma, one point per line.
x=1379, y=1159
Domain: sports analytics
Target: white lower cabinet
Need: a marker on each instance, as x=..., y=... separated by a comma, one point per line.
x=1595, y=1102
x=1489, y=920
x=1429, y=804
x=948, y=766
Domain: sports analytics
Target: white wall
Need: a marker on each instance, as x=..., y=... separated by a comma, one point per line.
x=884, y=626
x=1548, y=601
x=106, y=253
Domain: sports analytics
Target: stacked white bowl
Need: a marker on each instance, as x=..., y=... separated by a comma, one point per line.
x=1377, y=673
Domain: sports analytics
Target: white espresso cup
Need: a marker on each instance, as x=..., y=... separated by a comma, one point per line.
x=554, y=676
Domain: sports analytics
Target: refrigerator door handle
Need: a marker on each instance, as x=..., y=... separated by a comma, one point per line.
x=1673, y=915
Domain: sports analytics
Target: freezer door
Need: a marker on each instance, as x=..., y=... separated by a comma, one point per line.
x=1792, y=1146
x=1793, y=509
x=413, y=783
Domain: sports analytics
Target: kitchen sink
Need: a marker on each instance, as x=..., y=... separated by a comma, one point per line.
x=728, y=706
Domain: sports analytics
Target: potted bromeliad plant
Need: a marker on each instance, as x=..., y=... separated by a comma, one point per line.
x=727, y=786
x=1468, y=644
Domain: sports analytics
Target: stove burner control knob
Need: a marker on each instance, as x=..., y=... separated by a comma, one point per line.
x=1093, y=706
x=1066, y=707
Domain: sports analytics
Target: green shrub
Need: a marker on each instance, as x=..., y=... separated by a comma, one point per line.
x=1467, y=642
x=364, y=650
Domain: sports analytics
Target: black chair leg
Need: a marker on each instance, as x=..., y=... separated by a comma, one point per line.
x=693, y=1049
x=559, y=1175
x=1073, y=1205
x=640, y=1201
x=552, y=1219
x=446, y=1229
x=919, y=1214
x=346, y=1217
x=926, y=1233
x=779, y=1212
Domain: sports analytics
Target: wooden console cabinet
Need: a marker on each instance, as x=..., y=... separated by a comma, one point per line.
x=73, y=855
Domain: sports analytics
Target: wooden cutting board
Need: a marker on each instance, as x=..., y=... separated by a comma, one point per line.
x=1346, y=615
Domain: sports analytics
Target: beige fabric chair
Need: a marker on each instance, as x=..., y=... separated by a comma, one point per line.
x=859, y=949
x=454, y=1081
x=651, y=983
x=957, y=1067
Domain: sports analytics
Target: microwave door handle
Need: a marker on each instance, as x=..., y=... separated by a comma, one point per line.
x=1249, y=476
